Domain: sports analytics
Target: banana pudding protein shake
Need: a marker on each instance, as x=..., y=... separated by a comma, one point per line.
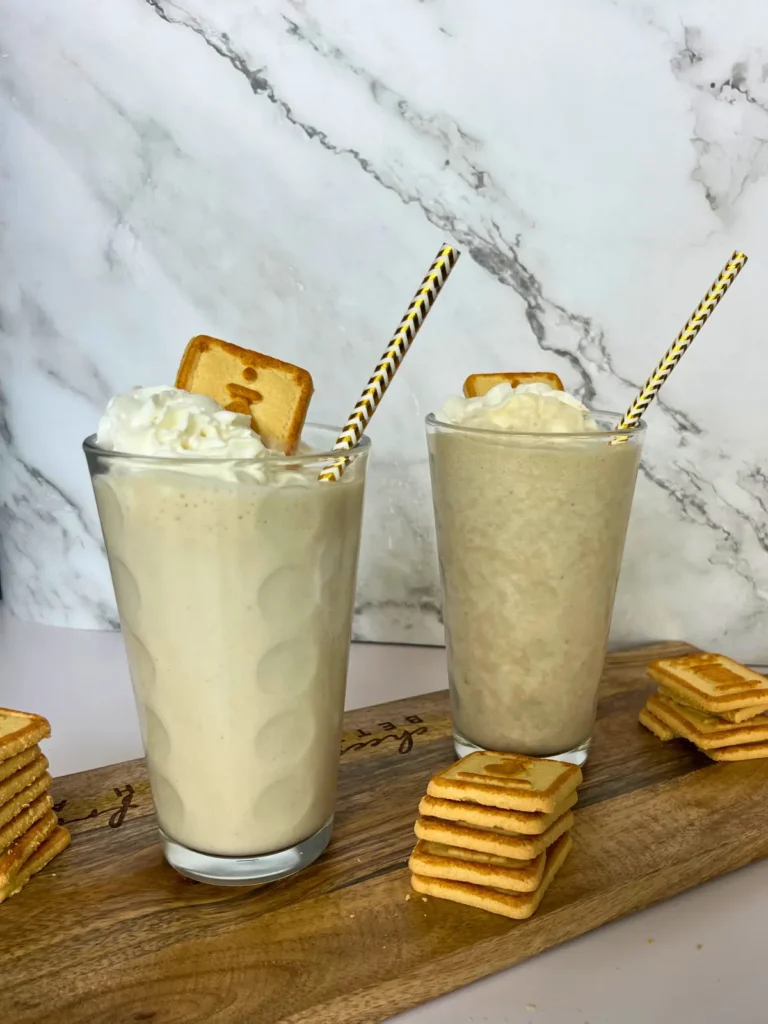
x=532, y=494
x=232, y=530
x=234, y=570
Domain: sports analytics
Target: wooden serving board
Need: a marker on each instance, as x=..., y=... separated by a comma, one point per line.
x=110, y=933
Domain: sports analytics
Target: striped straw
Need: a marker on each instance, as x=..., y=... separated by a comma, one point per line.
x=672, y=357
x=393, y=355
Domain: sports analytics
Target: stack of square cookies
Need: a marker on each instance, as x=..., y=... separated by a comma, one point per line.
x=30, y=835
x=494, y=830
x=710, y=700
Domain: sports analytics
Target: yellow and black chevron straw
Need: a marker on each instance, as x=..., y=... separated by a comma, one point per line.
x=393, y=355
x=672, y=357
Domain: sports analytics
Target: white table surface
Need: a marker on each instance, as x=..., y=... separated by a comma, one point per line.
x=695, y=959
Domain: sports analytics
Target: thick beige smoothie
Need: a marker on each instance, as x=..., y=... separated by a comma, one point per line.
x=530, y=533
x=235, y=599
x=234, y=570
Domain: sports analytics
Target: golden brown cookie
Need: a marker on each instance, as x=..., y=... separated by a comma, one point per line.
x=24, y=797
x=274, y=394
x=22, y=778
x=20, y=730
x=21, y=760
x=515, y=905
x=744, y=752
x=707, y=731
x=530, y=823
x=655, y=725
x=433, y=860
x=494, y=841
x=478, y=384
x=24, y=819
x=512, y=782
x=711, y=682
x=57, y=841
x=737, y=715
x=22, y=848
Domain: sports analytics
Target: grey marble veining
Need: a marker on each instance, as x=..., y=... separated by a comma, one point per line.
x=280, y=174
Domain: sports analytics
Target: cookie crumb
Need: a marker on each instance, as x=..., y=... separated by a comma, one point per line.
x=699, y=946
x=407, y=896
x=530, y=1007
x=423, y=899
x=351, y=915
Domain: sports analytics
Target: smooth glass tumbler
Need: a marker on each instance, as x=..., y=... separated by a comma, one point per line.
x=235, y=584
x=530, y=535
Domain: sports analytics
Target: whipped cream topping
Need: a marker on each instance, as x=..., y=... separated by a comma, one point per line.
x=528, y=409
x=166, y=421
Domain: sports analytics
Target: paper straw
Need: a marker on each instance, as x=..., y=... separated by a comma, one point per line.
x=393, y=355
x=672, y=357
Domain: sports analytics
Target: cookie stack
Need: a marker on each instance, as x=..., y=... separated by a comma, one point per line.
x=494, y=830
x=30, y=835
x=710, y=700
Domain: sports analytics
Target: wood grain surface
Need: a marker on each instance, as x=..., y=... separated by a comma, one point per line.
x=110, y=933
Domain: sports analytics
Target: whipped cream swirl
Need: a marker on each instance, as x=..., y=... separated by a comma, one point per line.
x=528, y=408
x=165, y=421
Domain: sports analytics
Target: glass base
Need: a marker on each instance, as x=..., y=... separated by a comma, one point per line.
x=258, y=870
x=578, y=755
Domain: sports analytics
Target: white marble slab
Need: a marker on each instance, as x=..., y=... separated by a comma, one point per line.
x=281, y=173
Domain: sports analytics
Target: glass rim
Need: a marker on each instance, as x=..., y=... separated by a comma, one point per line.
x=276, y=459
x=638, y=430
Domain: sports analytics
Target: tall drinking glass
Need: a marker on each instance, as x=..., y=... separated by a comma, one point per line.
x=530, y=535
x=235, y=583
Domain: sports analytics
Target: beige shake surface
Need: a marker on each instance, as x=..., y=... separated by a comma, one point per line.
x=530, y=537
x=235, y=599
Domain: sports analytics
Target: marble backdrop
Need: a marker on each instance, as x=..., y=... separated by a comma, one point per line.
x=281, y=173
